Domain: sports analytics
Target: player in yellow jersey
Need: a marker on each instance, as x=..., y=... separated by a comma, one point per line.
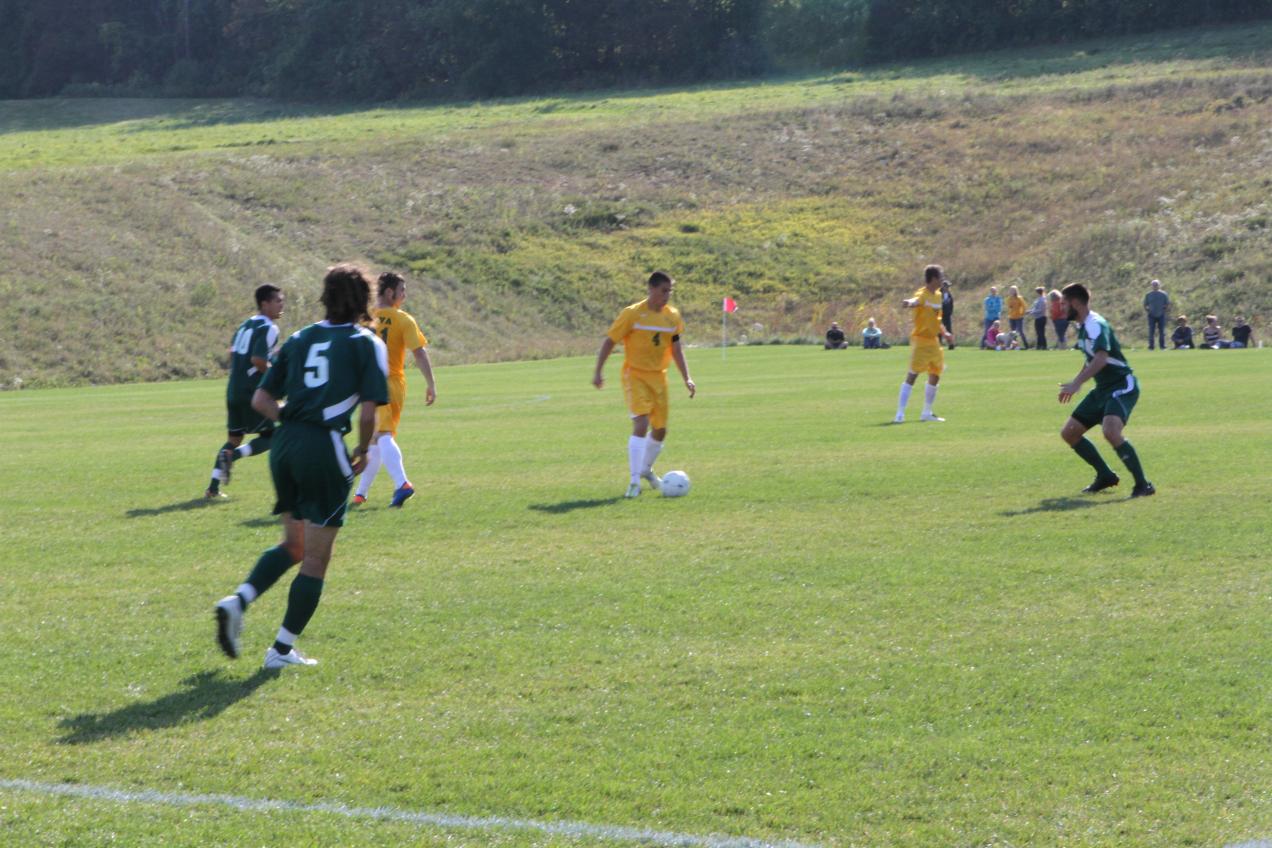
x=650, y=334
x=926, y=353
x=400, y=333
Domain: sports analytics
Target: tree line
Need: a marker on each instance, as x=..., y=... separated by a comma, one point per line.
x=404, y=49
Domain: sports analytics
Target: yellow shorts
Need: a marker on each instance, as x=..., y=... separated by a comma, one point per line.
x=387, y=416
x=926, y=355
x=646, y=393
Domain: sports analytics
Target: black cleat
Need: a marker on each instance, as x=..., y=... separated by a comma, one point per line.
x=1144, y=491
x=1100, y=484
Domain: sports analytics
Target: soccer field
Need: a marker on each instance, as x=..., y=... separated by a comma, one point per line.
x=848, y=634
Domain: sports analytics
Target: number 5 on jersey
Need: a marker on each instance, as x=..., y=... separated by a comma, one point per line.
x=317, y=369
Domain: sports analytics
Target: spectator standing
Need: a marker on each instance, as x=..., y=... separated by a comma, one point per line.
x=1016, y=308
x=947, y=310
x=1182, y=338
x=1059, y=316
x=835, y=339
x=871, y=336
x=1212, y=334
x=1038, y=312
x=1241, y=333
x=993, y=311
x=1156, y=302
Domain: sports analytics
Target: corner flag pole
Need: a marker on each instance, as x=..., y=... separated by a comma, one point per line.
x=724, y=334
x=729, y=305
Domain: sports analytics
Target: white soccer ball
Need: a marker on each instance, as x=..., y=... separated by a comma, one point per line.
x=675, y=484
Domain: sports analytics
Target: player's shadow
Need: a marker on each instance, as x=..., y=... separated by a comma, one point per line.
x=571, y=506
x=206, y=695
x=260, y=521
x=180, y=506
x=1060, y=505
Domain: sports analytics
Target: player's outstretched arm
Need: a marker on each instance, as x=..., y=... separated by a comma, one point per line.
x=910, y=302
x=426, y=368
x=264, y=403
x=1097, y=363
x=678, y=354
x=607, y=347
x=366, y=429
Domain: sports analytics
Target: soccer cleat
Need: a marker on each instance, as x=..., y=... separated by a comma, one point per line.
x=633, y=491
x=273, y=659
x=359, y=500
x=229, y=624
x=225, y=462
x=402, y=495
x=1146, y=490
x=928, y=416
x=214, y=494
x=1100, y=484
x=900, y=419
x=654, y=481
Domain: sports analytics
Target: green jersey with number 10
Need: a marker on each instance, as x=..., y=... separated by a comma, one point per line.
x=325, y=370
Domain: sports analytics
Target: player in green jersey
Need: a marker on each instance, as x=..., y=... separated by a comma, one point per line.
x=1109, y=403
x=325, y=371
x=254, y=341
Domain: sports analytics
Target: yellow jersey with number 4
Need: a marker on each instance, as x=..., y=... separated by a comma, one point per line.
x=400, y=333
x=647, y=335
x=927, y=315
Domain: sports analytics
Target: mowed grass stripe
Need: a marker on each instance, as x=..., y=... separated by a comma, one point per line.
x=849, y=633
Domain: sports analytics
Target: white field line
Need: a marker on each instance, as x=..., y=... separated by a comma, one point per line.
x=583, y=830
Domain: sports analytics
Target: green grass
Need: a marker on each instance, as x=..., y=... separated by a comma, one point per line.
x=848, y=634
x=526, y=223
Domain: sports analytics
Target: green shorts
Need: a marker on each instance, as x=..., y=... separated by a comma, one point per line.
x=1116, y=400
x=240, y=418
x=312, y=474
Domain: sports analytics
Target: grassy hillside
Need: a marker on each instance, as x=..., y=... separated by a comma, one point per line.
x=134, y=231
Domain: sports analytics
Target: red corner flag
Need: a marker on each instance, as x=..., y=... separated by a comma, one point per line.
x=730, y=305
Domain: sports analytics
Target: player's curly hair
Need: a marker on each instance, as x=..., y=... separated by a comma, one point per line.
x=346, y=291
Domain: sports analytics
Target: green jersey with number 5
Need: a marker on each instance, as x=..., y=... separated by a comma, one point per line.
x=325, y=370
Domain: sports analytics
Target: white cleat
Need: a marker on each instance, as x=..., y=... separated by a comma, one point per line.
x=229, y=624
x=273, y=659
x=654, y=481
x=633, y=491
x=900, y=419
x=928, y=416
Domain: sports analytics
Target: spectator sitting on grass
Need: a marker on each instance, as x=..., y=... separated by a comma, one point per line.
x=1212, y=334
x=1241, y=333
x=871, y=336
x=1007, y=341
x=835, y=339
x=990, y=342
x=1182, y=337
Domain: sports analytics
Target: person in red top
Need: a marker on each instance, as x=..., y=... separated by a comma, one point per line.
x=1059, y=312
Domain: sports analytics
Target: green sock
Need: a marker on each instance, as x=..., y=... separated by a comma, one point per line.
x=1127, y=454
x=1091, y=454
x=272, y=565
x=302, y=600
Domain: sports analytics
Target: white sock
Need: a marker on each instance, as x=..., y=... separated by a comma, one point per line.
x=286, y=637
x=247, y=592
x=635, y=456
x=218, y=474
x=372, y=469
x=243, y=451
x=906, y=388
x=391, y=456
x=652, y=449
x=929, y=395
